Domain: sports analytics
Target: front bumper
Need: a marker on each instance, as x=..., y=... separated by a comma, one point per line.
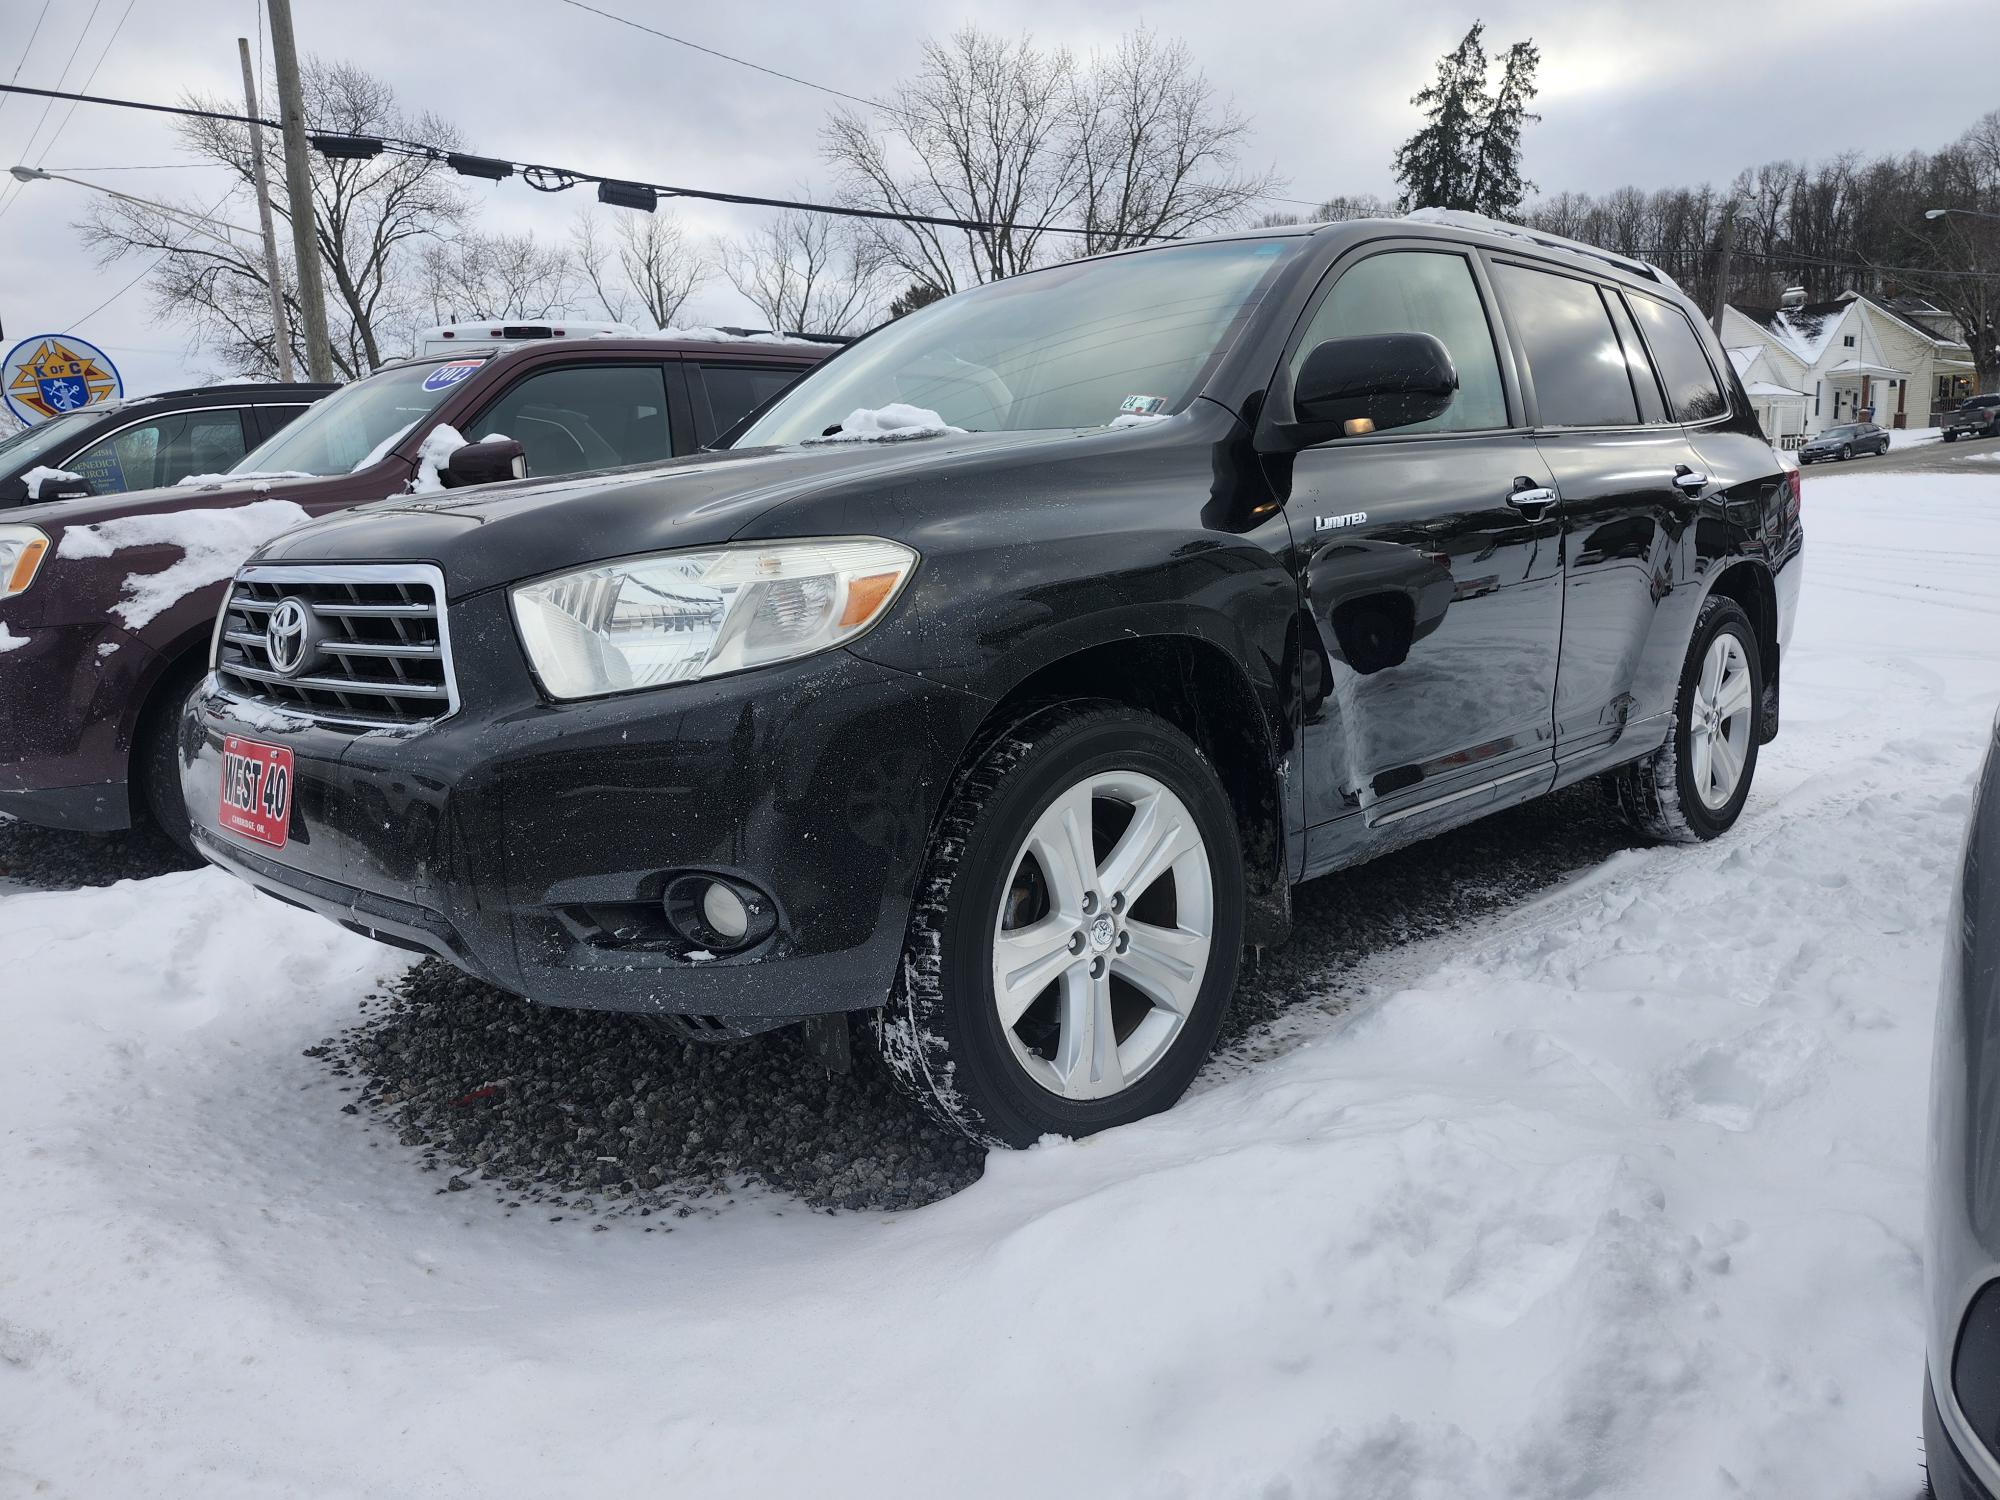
x=68, y=706
x=530, y=843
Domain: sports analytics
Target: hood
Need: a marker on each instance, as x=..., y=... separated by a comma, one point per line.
x=53, y=516
x=499, y=534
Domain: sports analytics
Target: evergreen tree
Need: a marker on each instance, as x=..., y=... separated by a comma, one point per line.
x=1435, y=166
x=1467, y=155
x=1497, y=183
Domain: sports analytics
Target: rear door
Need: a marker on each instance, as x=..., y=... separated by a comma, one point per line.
x=1620, y=462
x=163, y=450
x=1430, y=565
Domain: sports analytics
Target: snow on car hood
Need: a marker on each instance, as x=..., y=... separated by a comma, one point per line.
x=212, y=544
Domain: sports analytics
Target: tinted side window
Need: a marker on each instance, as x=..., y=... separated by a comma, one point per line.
x=1573, y=354
x=734, y=391
x=1420, y=291
x=1691, y=384
x=1644, y=384
x=584, y=417
x=162, y=452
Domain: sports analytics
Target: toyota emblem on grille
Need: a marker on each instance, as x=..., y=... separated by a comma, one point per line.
x=288, y=637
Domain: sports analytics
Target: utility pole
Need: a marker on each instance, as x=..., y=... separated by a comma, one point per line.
x=281, y=334
x=298, y=187
x=1722, y=261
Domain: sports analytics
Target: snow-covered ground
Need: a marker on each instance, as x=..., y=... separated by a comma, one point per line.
x=1618, y=1193
x=1913, y=437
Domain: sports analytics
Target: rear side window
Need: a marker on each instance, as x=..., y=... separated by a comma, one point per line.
x=162, y=452
x=584, y=417
x=1693, y=390
x=1574, y=358
x=1420, y=291
x=1652, y=409
x=734, y=391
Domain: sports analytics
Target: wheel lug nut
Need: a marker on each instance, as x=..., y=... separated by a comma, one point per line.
x=1097, y=968
x=1089, y=902
x=1076, y=942
x=1124, y=941
x=1118, y=901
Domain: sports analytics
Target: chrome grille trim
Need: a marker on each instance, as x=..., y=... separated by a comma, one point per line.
x=385, y=662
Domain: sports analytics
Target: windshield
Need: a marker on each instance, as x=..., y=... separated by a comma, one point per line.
x=356, y=423
x=44, y=439
x=1840, y=432
x=1072, y=346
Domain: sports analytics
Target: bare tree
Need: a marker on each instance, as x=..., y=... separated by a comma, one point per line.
x=1155, y=151
x=474, y=275
x=989, y=126
x=597, y=263
x=1332, y=210
x=371, y=218
x=807, y=273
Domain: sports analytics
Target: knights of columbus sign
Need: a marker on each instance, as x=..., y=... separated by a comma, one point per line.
x=50, y=374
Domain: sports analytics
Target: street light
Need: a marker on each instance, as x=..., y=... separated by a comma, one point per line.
x=1929, y=213
x=200, y=223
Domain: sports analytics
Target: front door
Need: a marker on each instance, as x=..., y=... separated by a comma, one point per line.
x=1430, y=568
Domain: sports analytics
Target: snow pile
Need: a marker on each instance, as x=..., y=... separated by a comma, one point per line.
x=213, y=544
x=9, y=641
x=1618, y=1192
x=432, y=455
x=259, y=478
x=36, y=477
x=889, y=424
x=719, y=336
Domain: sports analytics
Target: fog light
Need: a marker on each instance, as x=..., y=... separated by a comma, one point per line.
x=724, y=911
x=718, y=914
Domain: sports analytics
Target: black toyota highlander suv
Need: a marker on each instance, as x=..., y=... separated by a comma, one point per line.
x=1004, y=675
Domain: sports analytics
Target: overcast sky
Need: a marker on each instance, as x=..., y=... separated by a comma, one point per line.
x=1655, y=95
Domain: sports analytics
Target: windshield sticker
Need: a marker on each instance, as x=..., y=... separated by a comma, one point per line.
x=1142, y=406
x=444, y=377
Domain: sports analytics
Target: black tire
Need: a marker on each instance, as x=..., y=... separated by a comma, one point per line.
x=1657, y=795
x=1847, y=450
x=156, y=770
x=941, y=1032
x=1950, y=436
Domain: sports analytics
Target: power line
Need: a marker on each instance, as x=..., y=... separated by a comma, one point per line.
x=552, y=179
x=34, y=32
x=824, y=88
x=43, y=118
x=111, y=42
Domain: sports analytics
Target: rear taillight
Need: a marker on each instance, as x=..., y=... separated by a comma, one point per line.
x=1795, y=493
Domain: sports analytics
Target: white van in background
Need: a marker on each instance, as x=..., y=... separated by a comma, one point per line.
x=448, y=338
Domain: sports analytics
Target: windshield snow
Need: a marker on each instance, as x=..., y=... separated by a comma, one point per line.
x=1077, y=345
x=358, y=421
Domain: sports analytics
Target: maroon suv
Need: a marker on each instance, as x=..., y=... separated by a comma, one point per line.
x=107, y=604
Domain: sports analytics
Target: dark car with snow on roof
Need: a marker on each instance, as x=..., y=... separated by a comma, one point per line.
x=1003, y=677
x=107, y=602
x=110, y=447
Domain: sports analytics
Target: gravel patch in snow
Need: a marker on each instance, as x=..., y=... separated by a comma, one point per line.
x=53, y=859
x=602, y=1115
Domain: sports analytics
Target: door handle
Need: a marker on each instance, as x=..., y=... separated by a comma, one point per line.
x=1531, y=499
x=1689, y=481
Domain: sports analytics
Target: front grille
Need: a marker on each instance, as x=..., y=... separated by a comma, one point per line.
x=376, y=652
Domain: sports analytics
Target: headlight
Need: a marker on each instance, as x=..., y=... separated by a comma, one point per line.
x=678, y=616
x=21, y=549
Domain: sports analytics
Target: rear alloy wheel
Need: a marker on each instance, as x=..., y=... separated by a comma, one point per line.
x=1693, y=787
x=1077, y=934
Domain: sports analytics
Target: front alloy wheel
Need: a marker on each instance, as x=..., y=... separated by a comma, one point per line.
x=1097, y=962
x=1077, y=930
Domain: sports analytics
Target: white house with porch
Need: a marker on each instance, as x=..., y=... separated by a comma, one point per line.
x=1807, y=366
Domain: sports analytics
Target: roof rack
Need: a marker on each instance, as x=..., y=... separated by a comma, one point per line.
x=1460, y=219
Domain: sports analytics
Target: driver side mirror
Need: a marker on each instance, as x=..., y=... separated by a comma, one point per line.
x=484, y=463
x=1373, y=382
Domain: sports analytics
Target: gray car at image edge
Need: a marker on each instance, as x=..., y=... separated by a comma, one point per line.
x=1962, y=1250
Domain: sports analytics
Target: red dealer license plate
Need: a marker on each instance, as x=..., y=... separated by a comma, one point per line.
x=256, y=790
